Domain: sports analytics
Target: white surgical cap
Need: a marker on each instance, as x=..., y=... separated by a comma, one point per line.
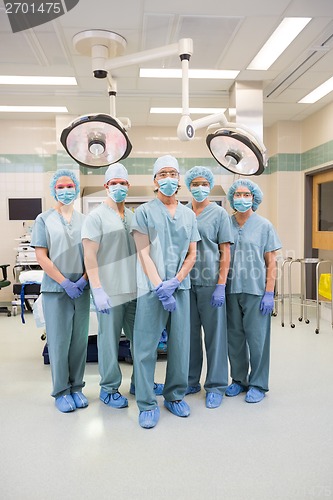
x=165, y=161
x=116, y=171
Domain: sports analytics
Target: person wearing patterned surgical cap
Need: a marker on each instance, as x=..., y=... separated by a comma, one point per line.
x=207, y=294
x=250, y=292
x=56, y=237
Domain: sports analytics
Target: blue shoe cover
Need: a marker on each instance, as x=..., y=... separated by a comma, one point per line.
x=178, y=408
x=192, y=389
x=149, y=418
x=253, y=395
x=158, y=389
x=213, y=399
x=234, y=389
x=65, y=403
x=114, y=399
x=79, y=399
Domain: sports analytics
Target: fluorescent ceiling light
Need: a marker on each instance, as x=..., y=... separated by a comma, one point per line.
x=37, y=80
x=314, y=96
x=284, y=34
x=178, y=111
x=33, y=109
x=192, y=73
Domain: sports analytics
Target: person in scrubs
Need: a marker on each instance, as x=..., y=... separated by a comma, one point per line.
x=56, y=237
x=110, y=259
x=165, y=233
x=250, y=292
x=207, y=295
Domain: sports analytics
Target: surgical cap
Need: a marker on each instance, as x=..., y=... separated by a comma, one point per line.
x=254, y=188
x=199, y=172
x=116, y=171
x=64, y=172
x=165, y=161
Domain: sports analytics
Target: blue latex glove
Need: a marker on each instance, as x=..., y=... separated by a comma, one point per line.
x=165, y=289
x=218, y=297
x=169, y=304
x=71, y=289
x=81, y=283
x=102, y=300
x=267, y=303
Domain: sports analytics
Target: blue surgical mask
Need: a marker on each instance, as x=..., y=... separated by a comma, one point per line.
x=242, y=204
x=200, y=193
x=66, y=195
x=117, y=193
x=168, y=186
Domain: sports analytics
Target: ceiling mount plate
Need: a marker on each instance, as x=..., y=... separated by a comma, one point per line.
x=85, y=40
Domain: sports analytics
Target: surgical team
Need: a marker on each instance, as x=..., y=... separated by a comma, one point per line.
x=205, y=276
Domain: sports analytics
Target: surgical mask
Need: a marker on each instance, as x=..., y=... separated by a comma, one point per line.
x=168, y=186
x=66, y=195
x=200, y=193
x=117, y=193
x=242, y=204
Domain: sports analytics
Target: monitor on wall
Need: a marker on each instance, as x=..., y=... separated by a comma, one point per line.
x=24, y=208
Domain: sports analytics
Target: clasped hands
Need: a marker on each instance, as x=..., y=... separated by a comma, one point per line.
x=164, y=292
x=74, y=289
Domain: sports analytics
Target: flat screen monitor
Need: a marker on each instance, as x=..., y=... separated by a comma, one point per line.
x=24, y=208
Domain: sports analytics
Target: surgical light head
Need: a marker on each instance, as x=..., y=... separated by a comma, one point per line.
x=116, y=171
x=64, y=172
x=195, y=172
x=96, y=140
x=164, y=162
x=254, y=188
x=236, y=152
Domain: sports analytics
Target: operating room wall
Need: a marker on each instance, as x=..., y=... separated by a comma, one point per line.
x=30, y=152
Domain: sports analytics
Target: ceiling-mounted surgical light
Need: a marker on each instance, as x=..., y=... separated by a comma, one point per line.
x=235, y=152
x=100, y=140
x=96, y=141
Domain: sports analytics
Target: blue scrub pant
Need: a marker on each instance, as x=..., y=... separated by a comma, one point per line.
x=248, y=340
x=214, y=323
x=150, y=321
x=121, y=316
x=67, y=324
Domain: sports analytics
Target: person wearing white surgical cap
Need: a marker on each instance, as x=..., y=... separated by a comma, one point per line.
x=250, y=292
x=56, y=237
x=165, y=233
x=110, y=258
x=207, y=295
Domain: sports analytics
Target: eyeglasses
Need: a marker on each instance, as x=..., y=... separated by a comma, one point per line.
x=114, y=183
x=63, y=186
x=197, y=184
x=165, y=173
x=242, y=195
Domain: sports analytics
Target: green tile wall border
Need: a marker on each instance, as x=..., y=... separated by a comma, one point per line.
x=28, y=163
x=282, y=162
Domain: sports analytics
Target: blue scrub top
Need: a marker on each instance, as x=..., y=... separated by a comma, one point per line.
x=247, y=267
x=63, y=242
x=169, y=239
x=214, y=228
x=116, y=255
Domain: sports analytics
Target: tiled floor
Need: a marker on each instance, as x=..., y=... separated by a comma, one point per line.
x=281, y=448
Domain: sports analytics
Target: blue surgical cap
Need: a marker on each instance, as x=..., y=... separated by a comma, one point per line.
x=116, y=171
x=165, y=161
x=254, y=188
x=199, y=172
x=64, y=172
